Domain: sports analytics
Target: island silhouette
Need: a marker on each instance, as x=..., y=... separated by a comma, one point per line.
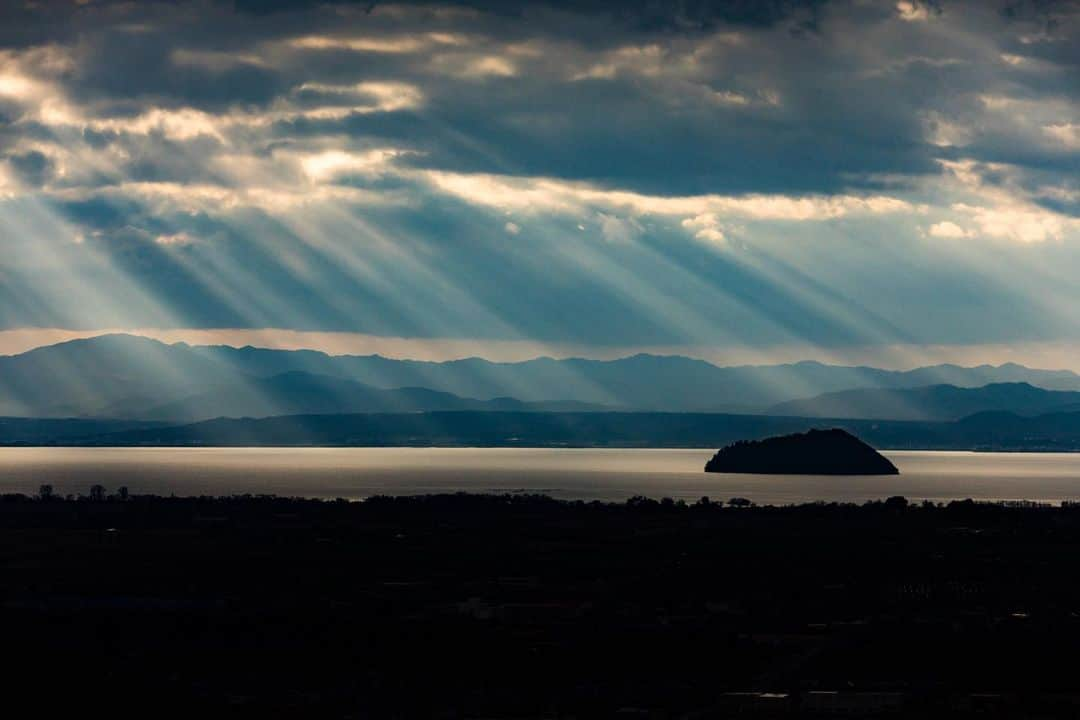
x=816, y=452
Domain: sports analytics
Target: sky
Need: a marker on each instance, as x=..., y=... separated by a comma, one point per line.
x=894, y=183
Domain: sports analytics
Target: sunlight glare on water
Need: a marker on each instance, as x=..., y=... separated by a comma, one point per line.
x=600, y=474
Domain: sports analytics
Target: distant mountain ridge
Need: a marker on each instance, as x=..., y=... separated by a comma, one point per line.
x=301, y=393
x=87, y=377
x=132, y=377
x=936, y=402
x=639, y=382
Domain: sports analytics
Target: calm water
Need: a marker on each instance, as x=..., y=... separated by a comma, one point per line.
x=586, y=474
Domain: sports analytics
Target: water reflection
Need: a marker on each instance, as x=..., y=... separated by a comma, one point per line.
x=577, y=474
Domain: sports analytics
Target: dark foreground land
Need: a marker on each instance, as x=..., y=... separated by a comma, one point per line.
x=484, y=606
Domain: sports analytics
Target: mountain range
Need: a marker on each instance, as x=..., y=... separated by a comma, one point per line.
x=638, y=382
x=129, y=390
x=936, y=402
x=137, y=378
x=123, y=376
x=299, y=393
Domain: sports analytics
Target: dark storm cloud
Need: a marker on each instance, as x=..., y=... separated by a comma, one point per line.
x=33, y=167
x=844, y=112
x=646, y=14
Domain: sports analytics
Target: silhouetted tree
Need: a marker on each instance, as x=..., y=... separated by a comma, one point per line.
x=122, y=493
x=97, y=493
x=45, y=492
x=739, y=502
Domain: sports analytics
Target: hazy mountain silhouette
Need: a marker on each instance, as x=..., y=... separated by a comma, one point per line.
x=937, y=402
x=300, y=393
x=133, y=377
x=112, y=372
x=639, y=382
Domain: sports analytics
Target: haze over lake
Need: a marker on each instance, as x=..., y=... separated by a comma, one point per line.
x=593, y=474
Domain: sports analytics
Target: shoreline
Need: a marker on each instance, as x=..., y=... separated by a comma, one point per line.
x=1034, y=450
x=141, y=501
x=625, y=430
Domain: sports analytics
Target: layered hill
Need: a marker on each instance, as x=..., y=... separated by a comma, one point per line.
x=639, y=382
x=301, y=393
x=937, y=402
x=121, y=376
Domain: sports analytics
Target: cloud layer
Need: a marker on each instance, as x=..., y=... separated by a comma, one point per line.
x=724, y=175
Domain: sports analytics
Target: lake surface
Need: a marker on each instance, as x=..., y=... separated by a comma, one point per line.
x=575, y=474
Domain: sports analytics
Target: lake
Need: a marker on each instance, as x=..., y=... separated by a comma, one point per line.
x=604, y=474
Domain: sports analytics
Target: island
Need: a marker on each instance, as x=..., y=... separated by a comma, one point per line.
x=816, y=452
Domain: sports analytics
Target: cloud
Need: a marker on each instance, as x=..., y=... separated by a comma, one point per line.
x=706, y=227
x=1068, y=134
x=1024, y=224
x=539, y=195
x=216, y=60
x=334, y=166
x=405, y=43
x=188, y=123
x=618, y=230
x=947, y=229
x=331, y=164
x=169, y=197
x=1003, y=206
x=179, y=239
x=379, y=96
x=8, y=184
x=912, y=11
x=490, y=66
x=33, y=167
